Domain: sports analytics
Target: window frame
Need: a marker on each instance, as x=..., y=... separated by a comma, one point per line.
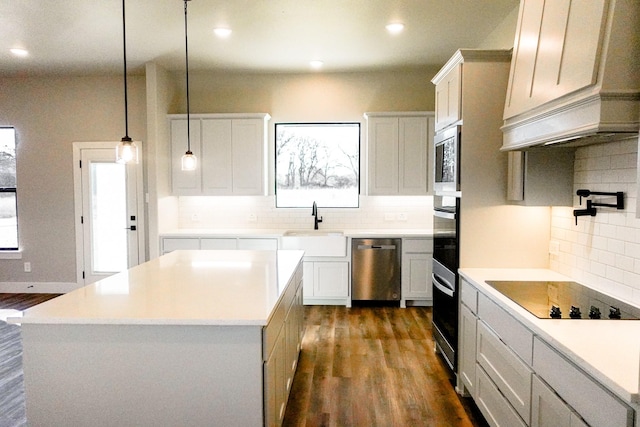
x=14, y=190
x=355, y=124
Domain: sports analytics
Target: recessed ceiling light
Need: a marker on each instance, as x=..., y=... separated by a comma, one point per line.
x=395, y=28
x=19, y=52
x=222, y=32
x=316, y=64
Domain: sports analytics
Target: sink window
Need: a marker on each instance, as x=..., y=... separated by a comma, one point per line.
x=317, y=162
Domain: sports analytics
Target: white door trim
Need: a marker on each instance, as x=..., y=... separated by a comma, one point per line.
x=77, y=198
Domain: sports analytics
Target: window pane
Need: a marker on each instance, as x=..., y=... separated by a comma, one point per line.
x=108, y=217
x=8, y=206
x=8, y=221
x=317, y=162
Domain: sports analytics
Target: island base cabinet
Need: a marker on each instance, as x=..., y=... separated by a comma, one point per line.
x=275, y=374
x=142, y=375
x=495, y=408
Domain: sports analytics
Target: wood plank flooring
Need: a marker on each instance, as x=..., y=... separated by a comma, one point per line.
x=373, y=366
x=23, y=301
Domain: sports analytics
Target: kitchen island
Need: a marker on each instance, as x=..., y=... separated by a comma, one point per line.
x=194, y=338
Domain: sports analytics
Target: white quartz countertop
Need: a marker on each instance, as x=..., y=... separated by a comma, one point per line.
x=608, y=350
x=181, y=288
x=245, y=232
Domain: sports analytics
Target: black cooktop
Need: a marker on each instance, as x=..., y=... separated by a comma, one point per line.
x=565, y=300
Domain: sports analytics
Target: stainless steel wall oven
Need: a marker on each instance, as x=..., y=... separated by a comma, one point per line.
x=446, y=256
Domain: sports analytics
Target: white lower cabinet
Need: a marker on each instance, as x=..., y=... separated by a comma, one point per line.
x=170, y=244
x=516, y=378
x=548, y=410
x=326, y=280
x=417, y=260
x=510, y=374
x=579, y=390
x=493, y=405
x=467, y=351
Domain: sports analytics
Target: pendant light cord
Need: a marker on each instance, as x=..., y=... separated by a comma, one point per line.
x=186, y=50
x=124, y=44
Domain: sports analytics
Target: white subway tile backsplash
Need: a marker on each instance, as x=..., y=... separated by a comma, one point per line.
x=236, y=213
x=602, y=251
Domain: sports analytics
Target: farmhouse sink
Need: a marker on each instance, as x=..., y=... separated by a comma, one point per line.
x=314, y=243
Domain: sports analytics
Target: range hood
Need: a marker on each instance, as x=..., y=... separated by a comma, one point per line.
x=575, y=77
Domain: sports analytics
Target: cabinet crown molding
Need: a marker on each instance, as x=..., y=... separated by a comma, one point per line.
x=472, y=55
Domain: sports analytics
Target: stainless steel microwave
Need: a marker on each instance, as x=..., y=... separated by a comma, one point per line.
x=447, y=161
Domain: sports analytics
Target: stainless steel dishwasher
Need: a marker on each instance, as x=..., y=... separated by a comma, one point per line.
x=375, y=269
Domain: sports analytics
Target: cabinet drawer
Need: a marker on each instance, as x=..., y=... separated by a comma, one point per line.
x=493, y=405
x=578, y=389
x=510, y=374
x=217, y=243
x=510, y=331
x=258, y=244
x=422, y=246
x=469, y=296
x=170, y=244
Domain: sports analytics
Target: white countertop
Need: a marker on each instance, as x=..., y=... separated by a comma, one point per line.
x=246, y=232
x=181, y=288
x=609, y=350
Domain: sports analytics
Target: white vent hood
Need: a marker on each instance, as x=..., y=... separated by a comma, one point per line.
x=575, y=74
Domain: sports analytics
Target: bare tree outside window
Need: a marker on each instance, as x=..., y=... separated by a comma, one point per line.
x=317, y=162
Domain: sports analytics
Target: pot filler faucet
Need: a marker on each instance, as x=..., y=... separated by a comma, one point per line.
x=314, y=213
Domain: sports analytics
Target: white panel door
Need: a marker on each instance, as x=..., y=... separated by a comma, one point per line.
x=110, y=218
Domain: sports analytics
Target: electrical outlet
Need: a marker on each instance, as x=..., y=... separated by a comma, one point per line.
x=252, y=217
x=195, y=217
x=27, y=267
x=554, y=247
x=402, y=216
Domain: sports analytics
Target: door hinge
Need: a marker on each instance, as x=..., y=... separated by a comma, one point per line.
x=83, y=274
x=80, y=161
x=81, y=219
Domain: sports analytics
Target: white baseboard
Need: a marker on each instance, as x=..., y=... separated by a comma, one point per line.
x=38, y=287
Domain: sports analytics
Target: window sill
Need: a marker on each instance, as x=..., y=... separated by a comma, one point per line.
x=11, y=254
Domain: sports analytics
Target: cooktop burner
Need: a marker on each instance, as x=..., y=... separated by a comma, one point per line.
x=565, y=300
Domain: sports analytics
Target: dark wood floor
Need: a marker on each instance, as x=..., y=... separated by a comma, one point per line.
x=23, y=301
x=373, y=366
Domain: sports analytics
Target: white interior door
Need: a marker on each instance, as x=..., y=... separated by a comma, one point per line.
x=110, y=221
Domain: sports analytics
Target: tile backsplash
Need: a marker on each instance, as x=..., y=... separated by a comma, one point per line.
x=602, y=251
x=379, y=212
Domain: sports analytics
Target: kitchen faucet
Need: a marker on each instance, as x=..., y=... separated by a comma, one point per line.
x=314, y=213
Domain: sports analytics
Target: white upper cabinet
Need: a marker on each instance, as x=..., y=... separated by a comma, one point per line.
x=572, y=75
x=448, y=99
x=231, y=151
x=397, y=146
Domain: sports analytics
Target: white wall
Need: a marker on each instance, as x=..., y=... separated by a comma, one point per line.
x=49, y=114
x=602, y=251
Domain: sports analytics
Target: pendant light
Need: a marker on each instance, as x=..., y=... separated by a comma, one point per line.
x=189, y=160
x=126, y=150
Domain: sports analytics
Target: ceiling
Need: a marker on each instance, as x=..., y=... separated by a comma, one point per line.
x=85, y=36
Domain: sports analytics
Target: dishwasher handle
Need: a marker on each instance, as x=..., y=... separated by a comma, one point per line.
x=376, y=247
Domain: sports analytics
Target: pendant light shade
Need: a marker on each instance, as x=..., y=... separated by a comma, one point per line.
x=126, y=150
x=189, y=160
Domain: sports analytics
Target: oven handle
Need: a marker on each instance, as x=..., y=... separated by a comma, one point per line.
x=442, y=285
x=444, y=214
